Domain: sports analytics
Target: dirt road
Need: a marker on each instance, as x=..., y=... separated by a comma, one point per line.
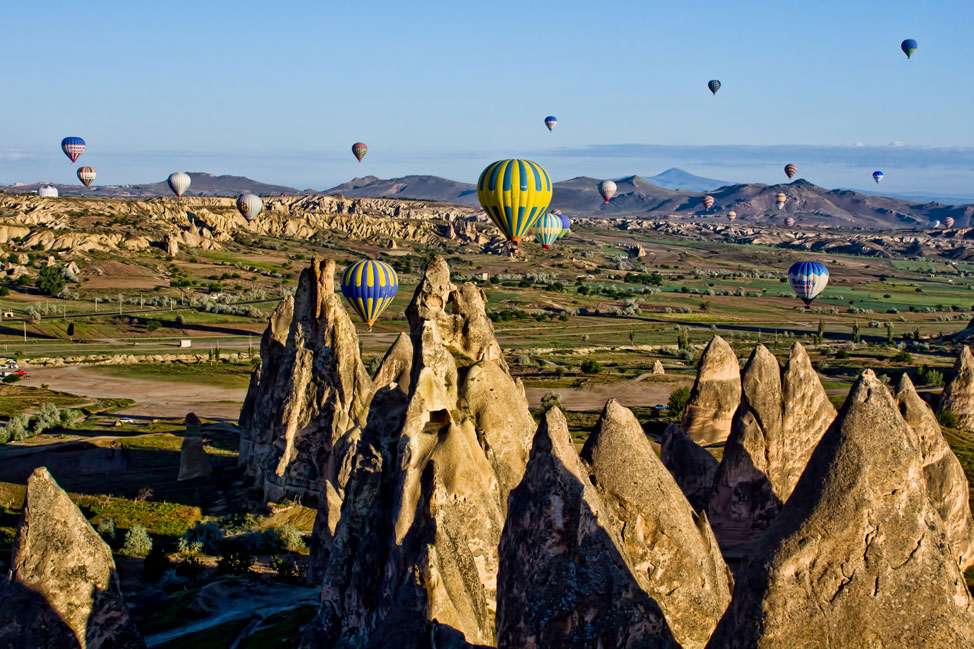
x=154, y=398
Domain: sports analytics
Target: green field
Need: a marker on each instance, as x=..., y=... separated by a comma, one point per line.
x=224, y=375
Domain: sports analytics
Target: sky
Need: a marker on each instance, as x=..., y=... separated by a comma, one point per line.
x=279, y=91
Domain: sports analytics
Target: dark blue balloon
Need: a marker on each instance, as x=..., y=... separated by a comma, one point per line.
x=909, y=46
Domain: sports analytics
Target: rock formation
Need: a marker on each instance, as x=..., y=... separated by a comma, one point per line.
x=193, y=462
x=564, y=580
x=672, y=551
x=62, y=590
x=415, y=548
x=958, y=395
x=658, y=367
x=305, y=406
x=782, y=416
x=858, y=555
x=715, y=395
x=396, y=364
x=943, y=473
x=194, y=427
x=691, y=465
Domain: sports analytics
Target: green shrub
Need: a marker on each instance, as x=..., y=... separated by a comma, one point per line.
x=152, y=325
x=550, y=400
x=206, y=535
x=138, y=543
x=948, y=419
x=286, y=567
x=902, y=357
x=591, y=366
x=678, y=401
x=930, y=376
x=291, y=538
x=842, y=354
x=50, y=280
x=235, y=562
x=106, y=528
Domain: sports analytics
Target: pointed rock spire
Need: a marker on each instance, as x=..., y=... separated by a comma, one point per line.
x=715, y=395
x=943, y=473
x=958, y=395
x=858, y=555
x=62, y=589
x=396, y=364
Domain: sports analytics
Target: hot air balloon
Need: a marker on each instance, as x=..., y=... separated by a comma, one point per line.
x=790, y=170
x=877, y=176
x=249, y=205
x=714, y=86
x=47, y=191
x=936, y=223
x=547, y=229
x=566, y=225
x=86, y=175
x=949, y=222
x=790, y=221
x=608, y=189
x=514, y=193
x=179, y=183
x=73, y=147
x=359, y=150
x=808, y=279
x=707, y=201
x=779, y=200
x=909, y=46
x=731, y=215
x=550, y=121
x=369, y=286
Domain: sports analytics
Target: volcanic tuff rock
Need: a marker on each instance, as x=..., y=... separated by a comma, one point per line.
x=672, y=550
x=782, y=416
x=658, y=368
x=565, y=580
x=715, y=395
x=193, y=462
x=958, y=396
x=691, y=465
x=396, y=365
x=194, y=427
x=943, y=473
x=62, y=590
x=416, y=544
x=303, y=411
x=858, y=556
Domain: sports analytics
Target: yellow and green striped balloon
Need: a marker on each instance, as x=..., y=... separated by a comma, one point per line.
x=515, y=194
x=369, y=286
x=547, y=230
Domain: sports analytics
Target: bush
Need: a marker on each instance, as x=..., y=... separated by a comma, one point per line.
x=138, y=543
x=678, y=401
x=260, y=542
x=152, y=325
x=902, y=357
x=550, y=400
x=930, y=376
x=842, y=354
x=291, y=538
x=206, y=535
x=106, y=528
x=50, y=280
x=235, y=562
x=591, y=366
x=948, y=419
x=285, y=567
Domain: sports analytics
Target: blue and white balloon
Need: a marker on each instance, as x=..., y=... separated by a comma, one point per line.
x=808, y=279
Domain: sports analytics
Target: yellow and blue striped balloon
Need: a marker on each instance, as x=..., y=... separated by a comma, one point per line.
x=369, y=286
x=547, y=230
x=515, y=194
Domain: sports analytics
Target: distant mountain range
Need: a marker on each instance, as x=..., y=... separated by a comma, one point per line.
x=202, y=184
x=636, y=197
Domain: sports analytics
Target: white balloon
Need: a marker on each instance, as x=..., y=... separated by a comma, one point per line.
x=179, y=182
x=249, y=205
x=47, y=191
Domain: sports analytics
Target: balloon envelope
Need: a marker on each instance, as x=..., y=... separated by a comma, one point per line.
x=608, y=189
x=707, y=201
x=949, y=222
x=808, y=279
x=73, y=147
x=877, y=176
x=369, y=286
x=359, y=150
x=547, y=229
x=515, y=194
x=779, y=200
x=789, y=221
x=249, y=205
x=714, y=86
x=790, y=170
x=179, y=182
x=47, y=191
x=566, y=224
x=909, y=46
x=731, y=215
x=86, y=175
x=550, y=121
x=936, y=223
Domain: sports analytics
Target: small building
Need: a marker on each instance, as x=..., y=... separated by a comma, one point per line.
x=185, y=342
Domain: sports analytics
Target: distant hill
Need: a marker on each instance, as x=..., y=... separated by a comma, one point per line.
x=427, y=188
x=674, y=178
x=203, y=184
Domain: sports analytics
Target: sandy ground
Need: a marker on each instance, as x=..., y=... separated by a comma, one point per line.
x=155, y=399
x=632, y=394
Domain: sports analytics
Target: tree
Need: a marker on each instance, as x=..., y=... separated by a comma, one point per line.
x=820, y=334
x=50, y=280
x=591, y=366
x=889, y=333
x=71, y=330
x=550, y=400
x=855, y=332
x=678, y=401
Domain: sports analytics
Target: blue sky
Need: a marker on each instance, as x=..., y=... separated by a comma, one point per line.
x=279, y=91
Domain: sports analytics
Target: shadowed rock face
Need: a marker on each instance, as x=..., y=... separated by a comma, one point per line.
x=944, y=476
x=715, y=395
x=858, y=556
x=193, y=462
x=672, y=552
x=426, y=495
x=302, y=414
x=782, y=416
x=958, y=395
x=564, y=579
x=62, y=590
x=691, y=465
x=396, y=365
